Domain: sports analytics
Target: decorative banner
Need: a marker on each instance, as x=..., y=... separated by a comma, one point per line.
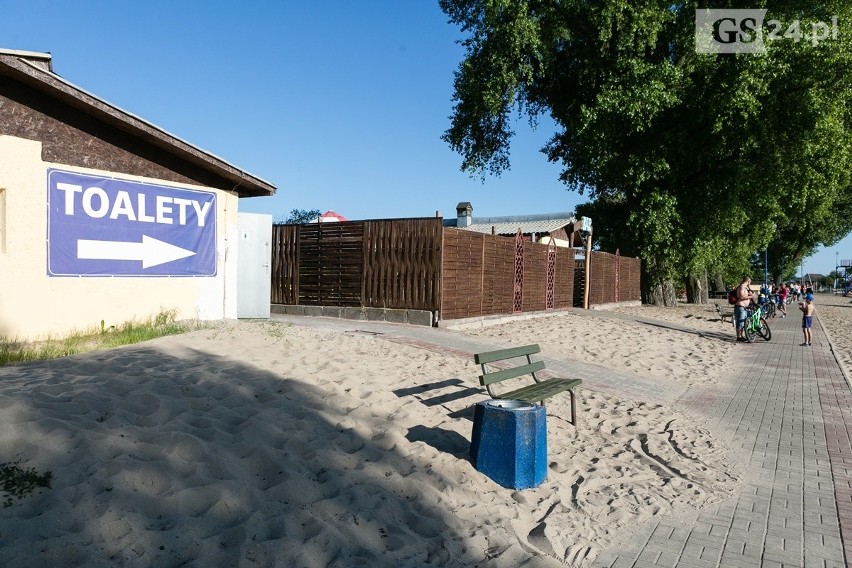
x=99, y=226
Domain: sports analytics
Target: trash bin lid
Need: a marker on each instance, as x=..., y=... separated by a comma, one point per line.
x=510, y=404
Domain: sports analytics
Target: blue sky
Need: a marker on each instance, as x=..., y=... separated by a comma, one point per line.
x=340, y=104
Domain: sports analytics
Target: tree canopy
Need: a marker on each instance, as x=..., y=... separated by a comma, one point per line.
x=301, y=216
x=692, y=161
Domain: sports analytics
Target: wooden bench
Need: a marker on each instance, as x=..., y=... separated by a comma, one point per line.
x=539, y=391
x=725, y=315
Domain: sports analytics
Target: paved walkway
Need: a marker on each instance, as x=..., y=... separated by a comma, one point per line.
x=788, y=409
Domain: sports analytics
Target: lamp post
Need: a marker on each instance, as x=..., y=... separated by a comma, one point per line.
x=836, y=268
x=766, y=268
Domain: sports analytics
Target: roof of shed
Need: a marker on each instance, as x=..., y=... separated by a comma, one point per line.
x=509, y=225
x=36, y=71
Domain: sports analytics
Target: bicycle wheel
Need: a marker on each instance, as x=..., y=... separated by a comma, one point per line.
x=749, y=331
x=771, y=311
x=764, y=331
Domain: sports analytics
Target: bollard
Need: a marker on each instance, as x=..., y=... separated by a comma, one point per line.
x=509, y=442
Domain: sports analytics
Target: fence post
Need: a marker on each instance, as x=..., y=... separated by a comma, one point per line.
x=588, y=270
x=551, y=276
x=518, y=290
x=617, y=274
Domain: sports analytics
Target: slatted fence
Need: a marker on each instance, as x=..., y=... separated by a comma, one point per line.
x=479, y=274
x=377, y=264
x=419, y=265
x=613, y=278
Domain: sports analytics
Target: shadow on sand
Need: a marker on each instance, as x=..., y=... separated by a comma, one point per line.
x=201, y=460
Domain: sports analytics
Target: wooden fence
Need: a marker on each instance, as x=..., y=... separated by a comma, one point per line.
x=480, y=276
x=377, y=264
x=417, y=264
x=614, y=278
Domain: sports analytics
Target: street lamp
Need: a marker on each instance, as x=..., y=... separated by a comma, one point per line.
x=766, y=268
x=836, y=267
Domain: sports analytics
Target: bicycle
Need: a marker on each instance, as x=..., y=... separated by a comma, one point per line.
x=755, y=325
x=768, y=308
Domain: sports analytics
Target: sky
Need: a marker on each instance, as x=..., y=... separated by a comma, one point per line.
x=340, y=104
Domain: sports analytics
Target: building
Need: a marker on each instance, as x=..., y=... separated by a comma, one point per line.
x=105, y=217
x=564, y=228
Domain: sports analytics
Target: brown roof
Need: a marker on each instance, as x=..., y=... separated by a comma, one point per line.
x=35, y=70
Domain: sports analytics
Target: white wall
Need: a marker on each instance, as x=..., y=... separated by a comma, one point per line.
x=34, y=305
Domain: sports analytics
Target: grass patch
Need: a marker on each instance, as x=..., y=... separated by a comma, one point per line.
x=162, y=324
x=17, y=482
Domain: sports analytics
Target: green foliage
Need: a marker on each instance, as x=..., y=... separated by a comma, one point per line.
x=17, y=482
x=705, y=159
x=161, y=324
x=300, y=216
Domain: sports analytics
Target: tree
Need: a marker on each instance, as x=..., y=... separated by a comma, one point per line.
x=301, y=216
x=703, y=158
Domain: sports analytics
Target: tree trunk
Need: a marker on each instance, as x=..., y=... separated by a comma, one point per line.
x=719, y=283
x=696, y=288
x=656, y=290
x=776, y=277
x=662, y=294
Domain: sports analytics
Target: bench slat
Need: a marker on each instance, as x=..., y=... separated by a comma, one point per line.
x=541, y=391
x=491, y=356
x=510, y=373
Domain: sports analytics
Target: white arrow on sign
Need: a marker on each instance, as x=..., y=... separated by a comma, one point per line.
x=150, y=251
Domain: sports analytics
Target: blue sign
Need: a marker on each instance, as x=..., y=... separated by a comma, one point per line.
x=100, y=226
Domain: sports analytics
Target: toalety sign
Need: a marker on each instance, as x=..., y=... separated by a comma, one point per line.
x=748, y=31
x=102, y=226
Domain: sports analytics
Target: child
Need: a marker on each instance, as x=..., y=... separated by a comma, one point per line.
x=783, y=293
x=808, y=309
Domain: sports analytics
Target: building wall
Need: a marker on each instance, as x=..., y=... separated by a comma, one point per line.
x=33, y=305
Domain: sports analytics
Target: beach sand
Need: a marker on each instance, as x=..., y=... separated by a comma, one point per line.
x=267, y=444
x=834, y=313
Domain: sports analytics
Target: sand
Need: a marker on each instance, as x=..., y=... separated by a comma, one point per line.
x=636, y=339
x=267, y=444
x=834, y=312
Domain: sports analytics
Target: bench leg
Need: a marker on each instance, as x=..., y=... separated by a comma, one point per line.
x=573, y=409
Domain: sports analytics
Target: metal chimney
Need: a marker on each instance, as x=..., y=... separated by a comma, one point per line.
x=464, y=214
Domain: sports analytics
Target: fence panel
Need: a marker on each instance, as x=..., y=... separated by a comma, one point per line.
x=461, y=274
x=285, y=264
x=605, y=287
x=563, y=294
x=402, y=264
x=602, y=278
x=478, y=275
x=498, y=275
x=630, y=285
x=535, y=277
x=330, y=264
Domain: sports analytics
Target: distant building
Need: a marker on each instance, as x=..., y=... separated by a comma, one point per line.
x=811, y=279
x=329, y=217
x=563, y=228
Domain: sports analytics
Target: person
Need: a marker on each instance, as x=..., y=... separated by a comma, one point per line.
x=744, y=299
x=808, y=310
x=783, y=292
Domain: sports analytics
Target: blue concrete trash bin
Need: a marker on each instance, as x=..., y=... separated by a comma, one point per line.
x=509, y=442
